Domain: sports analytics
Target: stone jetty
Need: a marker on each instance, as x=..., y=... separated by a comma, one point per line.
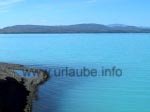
x=31, y=78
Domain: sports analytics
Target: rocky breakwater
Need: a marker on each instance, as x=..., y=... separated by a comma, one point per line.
x=19, y=85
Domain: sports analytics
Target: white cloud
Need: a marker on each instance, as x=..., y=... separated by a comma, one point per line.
x=8, y=2
x=91, y=1
x=5, y=4
x=3, y=11
x=38, y=20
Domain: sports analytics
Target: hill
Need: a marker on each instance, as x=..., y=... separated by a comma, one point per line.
x=78, y=28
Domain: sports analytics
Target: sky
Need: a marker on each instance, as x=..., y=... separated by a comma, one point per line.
x=66, y=12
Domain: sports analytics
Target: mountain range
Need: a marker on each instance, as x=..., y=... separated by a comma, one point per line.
x=77, y=28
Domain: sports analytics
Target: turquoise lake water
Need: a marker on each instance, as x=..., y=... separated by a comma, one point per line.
x=128, y=52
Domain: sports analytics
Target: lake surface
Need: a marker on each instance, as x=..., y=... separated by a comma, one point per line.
x=128, y=52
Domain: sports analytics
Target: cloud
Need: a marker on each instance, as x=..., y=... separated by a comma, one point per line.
x=38, y=20
x=8, y=2
x=3, y=11
x=91, y=1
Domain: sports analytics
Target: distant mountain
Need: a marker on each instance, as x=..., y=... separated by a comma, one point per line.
x=78, y=28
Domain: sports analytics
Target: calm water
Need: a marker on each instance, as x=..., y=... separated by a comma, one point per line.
x=129, y=52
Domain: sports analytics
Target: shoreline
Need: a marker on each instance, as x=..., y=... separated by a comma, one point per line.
x=30, y=85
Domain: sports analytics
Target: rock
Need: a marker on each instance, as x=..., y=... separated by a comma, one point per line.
x=16, y=91
x=13, y=95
